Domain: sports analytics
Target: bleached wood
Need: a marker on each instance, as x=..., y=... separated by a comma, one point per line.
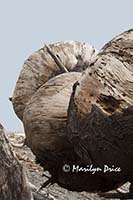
x=110, y=75
x=45, y=115
x=40, y=67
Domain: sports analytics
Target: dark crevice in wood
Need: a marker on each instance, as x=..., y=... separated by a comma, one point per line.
x=56, y=59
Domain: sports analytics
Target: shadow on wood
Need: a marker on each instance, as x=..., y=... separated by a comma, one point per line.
x=13, y=182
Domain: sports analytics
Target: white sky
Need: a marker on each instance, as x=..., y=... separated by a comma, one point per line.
x=25, y=26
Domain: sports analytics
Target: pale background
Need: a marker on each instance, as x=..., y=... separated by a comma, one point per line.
x=25, y=26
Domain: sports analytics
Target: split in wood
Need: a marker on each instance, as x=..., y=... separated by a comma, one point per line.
x=49, y=182
x=119, y=195
x=57, y=59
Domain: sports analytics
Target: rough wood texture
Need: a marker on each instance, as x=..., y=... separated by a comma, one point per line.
x=45, y=115
x=42, y=95
x=40, y=67
x=108, y=83
x=13, y=183
x=100, y=115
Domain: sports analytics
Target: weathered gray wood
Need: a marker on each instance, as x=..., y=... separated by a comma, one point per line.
x=40, y=67
x=45, y=115
x=56, y=59
x=13, y=182
x=100, y=114
x=110, y=75
x=99, y=117
x=42, y=94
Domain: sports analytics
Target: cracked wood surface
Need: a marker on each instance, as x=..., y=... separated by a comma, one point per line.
x=13, y=182
x=100, y=114
x=40, y=67
x=108, y=83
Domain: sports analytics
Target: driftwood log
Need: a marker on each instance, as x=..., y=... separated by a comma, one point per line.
x=99, y=127
x=13, y=182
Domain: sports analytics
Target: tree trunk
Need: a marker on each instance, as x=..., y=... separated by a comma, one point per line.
x=13, y=183
x=42, y=93
x=100, y=114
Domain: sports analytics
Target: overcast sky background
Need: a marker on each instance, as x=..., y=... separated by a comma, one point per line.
x=25, y=26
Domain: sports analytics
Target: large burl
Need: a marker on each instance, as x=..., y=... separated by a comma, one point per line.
x=41, y=97
x=99, y=129
x=43, y=90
